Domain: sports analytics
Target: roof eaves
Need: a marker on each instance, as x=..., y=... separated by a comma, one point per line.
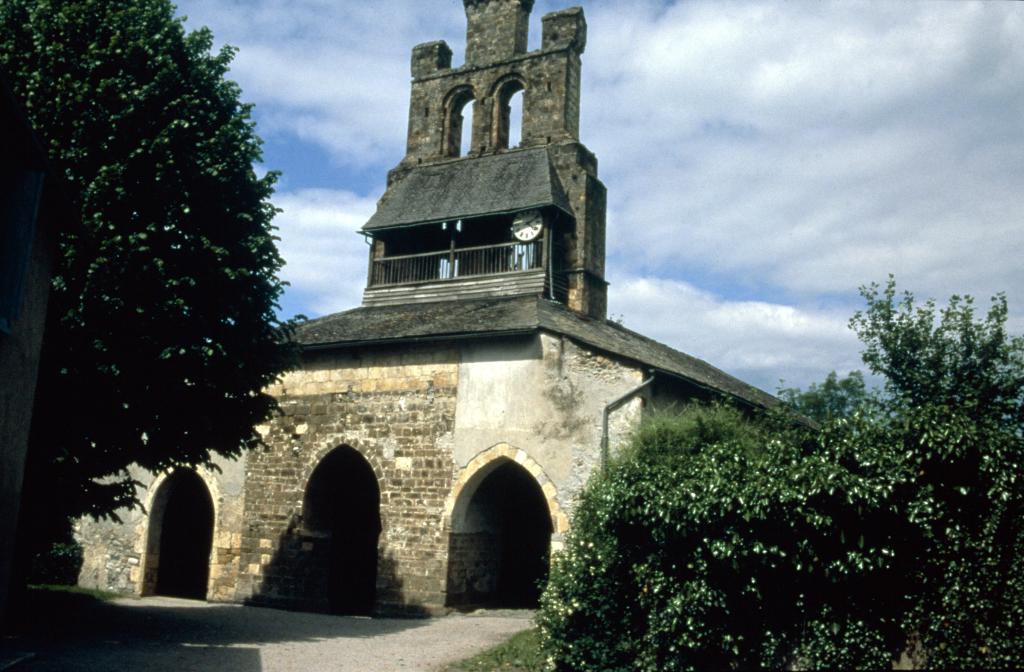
x=369, y=231
x=431, y=338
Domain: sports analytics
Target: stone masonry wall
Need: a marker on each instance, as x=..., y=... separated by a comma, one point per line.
x=538, y=396
x=550, y=77
x=395, y=406
x=471, y=559
x=543, y=395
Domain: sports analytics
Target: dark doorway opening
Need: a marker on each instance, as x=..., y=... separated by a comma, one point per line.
x=342, y=508
x=185, y=528
x=500, y=548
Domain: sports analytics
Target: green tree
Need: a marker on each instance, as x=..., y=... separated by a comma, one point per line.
x=835, y=397
x=953, y=407
x=163, y=327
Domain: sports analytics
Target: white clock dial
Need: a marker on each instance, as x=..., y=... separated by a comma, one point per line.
x=527, y=226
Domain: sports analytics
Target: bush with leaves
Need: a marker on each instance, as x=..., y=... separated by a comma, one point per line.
x=719, y=542
x=162, y=329
x=953, y=405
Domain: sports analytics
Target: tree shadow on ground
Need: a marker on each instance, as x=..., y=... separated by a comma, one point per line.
x=77, y=633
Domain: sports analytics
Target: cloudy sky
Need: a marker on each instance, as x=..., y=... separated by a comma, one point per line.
x=763, y=159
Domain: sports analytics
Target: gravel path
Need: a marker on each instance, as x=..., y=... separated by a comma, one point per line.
x=161, y=634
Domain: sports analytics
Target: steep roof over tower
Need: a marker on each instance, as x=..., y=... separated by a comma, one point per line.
x=492, y=185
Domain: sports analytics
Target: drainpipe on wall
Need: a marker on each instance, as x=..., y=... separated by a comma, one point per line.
x=611, y=406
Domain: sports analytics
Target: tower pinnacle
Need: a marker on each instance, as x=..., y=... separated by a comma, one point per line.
x=496, y=30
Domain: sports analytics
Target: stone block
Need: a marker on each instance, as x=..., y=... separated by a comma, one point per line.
x=565, y=29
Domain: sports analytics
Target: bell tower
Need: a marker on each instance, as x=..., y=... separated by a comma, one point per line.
x=499, y=220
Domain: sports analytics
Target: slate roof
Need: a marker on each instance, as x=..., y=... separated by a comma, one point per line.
x=489, y=185
x=514, y=315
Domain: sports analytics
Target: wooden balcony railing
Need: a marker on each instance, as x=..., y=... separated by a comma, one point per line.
x=457, y=263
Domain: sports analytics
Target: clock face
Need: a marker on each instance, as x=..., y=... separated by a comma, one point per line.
x=527, y=226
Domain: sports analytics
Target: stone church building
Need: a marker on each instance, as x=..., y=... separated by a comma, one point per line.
x=430, y=448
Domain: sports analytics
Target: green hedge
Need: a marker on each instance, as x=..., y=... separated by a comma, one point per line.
x=716, y=541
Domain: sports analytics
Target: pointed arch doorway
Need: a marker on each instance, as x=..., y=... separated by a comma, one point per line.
x=180, y=537
x=500, y=544
x=342, y=509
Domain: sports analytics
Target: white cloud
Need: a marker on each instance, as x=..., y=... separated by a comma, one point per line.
x=324, y=257
x=335, y=73
x=793, y=150
x=758, y=341
x=814, y=147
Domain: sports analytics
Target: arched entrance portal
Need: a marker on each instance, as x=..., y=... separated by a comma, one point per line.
x=501, y=540
x=342, y=509
x=180, y=537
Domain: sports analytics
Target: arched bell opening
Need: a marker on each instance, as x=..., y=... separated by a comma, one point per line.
x=509, y=101
x=458, y=130
x=515, y=119
x=180, y=537
x=500, y=543
x=341, y=513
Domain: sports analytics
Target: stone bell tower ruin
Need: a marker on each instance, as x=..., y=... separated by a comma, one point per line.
x=551, y=176
x=430, y=448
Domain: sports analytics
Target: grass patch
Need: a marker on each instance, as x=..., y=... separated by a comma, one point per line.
x=43, y=609
x=522, y=653
x=101, y=595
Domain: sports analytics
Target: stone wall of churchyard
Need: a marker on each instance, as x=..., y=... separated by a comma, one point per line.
x=395, y=406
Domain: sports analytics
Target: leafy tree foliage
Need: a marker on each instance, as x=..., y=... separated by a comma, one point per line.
x=953, y=407
x=834, y=398
x=162, y=329
x=720, y=542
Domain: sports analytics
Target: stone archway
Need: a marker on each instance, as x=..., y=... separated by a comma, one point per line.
x=180, y=537
x=501, y=523
x=341, y=514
